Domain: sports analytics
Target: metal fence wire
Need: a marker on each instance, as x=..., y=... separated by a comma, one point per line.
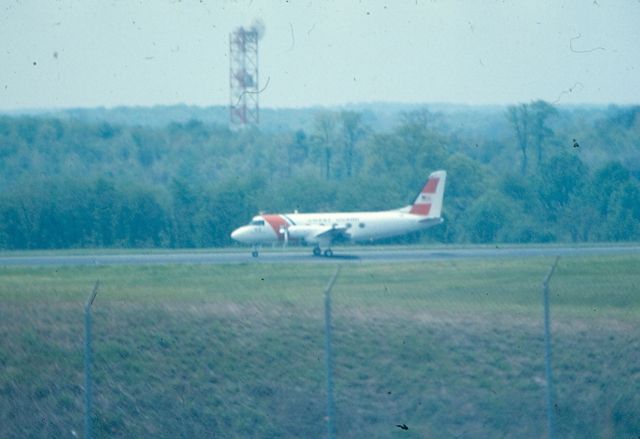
x=448, y=348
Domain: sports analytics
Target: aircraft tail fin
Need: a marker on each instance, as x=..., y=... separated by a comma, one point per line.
x=428, y=203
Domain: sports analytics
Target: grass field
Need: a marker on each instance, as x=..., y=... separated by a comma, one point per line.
x=451, y=349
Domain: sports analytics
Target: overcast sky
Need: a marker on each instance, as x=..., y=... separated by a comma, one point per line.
x=106, y=53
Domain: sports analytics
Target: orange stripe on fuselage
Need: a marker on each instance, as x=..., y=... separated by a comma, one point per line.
x=276, y=222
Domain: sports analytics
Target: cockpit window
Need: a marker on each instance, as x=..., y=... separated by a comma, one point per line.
x=257, y=223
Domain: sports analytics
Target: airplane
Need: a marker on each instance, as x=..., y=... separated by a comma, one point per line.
x=323, y=229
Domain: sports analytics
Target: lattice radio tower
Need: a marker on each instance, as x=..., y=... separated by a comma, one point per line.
x=243, y=75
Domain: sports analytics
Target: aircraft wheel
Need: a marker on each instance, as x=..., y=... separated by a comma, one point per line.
x=328, y=253
x=254, y=254
x=317, y=251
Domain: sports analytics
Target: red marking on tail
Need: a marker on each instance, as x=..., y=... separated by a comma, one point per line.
x=420, y=209
x=431, y=186
x=422, y=206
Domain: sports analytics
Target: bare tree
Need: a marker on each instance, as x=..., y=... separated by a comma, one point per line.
x=352, y=131
x=519, y=118
x=541, y=111
x=325, y=134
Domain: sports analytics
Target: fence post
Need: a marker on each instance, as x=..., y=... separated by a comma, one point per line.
x=87, y=361
x=329, y=354
x=547, y=351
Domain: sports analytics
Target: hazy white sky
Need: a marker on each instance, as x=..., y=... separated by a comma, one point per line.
x=90, y=53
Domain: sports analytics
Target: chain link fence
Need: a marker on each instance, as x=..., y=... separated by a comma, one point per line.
x=445, y=348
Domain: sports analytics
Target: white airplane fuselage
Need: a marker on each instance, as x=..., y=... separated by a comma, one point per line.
x=323, y=229
x=359, y=226
x=363, y=226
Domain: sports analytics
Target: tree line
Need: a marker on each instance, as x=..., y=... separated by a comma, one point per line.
x=530, y=173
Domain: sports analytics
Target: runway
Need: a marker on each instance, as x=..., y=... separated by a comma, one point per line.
x=303, y=256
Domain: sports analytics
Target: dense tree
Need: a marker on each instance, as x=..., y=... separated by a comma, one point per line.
x=606, y=181
x=487, y=218
x=467, y=181
x=184, y=210
x=143, y=220
x=94, y=182
x=297, y=151
x=408, y=152
x=560, y=177
x=622, y=221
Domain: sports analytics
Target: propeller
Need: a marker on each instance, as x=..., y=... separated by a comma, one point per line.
x=285, y=232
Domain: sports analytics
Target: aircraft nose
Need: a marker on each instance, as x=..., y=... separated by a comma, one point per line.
x=239, y=234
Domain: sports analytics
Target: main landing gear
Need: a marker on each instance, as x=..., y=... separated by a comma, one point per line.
x=317, y=252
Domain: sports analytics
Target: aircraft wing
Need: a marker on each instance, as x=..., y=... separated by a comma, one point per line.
x=332, y=233
x=315, y=234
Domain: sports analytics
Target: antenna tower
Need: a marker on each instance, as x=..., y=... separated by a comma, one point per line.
x=243, y=77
